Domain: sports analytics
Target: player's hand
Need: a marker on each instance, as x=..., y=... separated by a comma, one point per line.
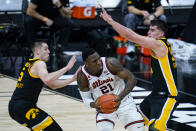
x=71, y=62
x=118, y=100
x=76, y=73
x=145, y=13
x=105, y=15
x=49, y=22
x=94, y=105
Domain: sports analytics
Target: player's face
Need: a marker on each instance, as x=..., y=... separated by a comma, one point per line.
x=44, y=52
x=94, y=63
x=155, y=33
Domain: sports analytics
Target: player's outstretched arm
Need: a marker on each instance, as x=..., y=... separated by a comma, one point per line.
x=51, y=79
x=129, y=34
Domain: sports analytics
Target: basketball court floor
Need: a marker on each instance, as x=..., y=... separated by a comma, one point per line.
x=66, y=106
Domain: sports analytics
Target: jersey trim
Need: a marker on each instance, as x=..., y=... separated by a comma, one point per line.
x=105, y=120
x=134, y=122
x=30, y=72
x=33, y=59
x=162, y=56
x=168, y=76
x=160, y=123
x=146, y=120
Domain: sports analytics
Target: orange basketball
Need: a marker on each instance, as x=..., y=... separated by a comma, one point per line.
x=107, y=103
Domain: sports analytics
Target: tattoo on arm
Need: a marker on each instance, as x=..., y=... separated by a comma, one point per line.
x=114, y=65
x=117, y=69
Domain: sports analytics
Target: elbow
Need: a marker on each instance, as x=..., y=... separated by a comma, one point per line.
x=29, y=12
x=50, y=84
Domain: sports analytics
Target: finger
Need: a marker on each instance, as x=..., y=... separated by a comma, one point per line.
x=103, y=10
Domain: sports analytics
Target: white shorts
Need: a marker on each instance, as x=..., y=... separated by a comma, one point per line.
x=127, y=113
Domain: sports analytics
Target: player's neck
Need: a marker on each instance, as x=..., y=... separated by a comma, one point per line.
x=93, y=72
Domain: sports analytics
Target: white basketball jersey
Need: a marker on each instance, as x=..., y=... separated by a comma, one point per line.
x=106, y=83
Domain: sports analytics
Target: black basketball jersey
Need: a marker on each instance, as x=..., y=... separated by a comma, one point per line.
x=164, y=72
x=28, y=86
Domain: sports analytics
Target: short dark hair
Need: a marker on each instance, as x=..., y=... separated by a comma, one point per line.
x=36, y=44
x=160, y=25
x=87, y=52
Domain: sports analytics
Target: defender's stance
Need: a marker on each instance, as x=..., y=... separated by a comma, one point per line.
x=159, y=105
x=22, y=106
x=106, y=76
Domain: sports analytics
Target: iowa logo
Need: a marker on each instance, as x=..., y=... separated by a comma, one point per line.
x=32, y=113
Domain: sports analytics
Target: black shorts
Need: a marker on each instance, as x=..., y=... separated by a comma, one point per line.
x=157, y=108
x=29, y=115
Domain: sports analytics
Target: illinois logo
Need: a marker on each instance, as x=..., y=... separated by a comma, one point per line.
x=32, y=113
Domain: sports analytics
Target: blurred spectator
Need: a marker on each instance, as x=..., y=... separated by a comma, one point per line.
x=141, y=12
x=52, y=13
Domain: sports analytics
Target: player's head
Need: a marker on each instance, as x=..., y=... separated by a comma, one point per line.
x=158, y=29
x=92, y=60
x=40, y=50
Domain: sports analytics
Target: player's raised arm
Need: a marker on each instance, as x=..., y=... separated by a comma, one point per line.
x=129, y=34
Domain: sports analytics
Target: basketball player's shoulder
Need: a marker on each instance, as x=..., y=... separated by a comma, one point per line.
x=114, y=65
x=113, y=62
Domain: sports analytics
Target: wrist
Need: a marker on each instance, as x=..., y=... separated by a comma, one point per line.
x=141, y=12
x=44, y=19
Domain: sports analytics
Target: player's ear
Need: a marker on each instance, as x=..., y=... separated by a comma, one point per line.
x=162, y=33
x=36, y=50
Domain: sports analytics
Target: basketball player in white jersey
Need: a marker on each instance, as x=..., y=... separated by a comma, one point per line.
x=106, y=76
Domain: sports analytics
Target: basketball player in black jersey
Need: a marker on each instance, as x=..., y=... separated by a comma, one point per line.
x=22, y=106
x=156, y=108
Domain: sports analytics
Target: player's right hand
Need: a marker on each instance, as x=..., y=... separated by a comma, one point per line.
x=118, y=100
x=71, y=62
x=49, y=22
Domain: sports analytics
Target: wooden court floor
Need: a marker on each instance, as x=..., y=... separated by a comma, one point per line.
x=71, y=114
